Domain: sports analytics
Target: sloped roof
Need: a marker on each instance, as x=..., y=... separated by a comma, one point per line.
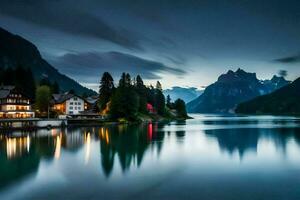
x=5, y=90
x=4, y=93
x=7, y=87
x=92, y=99
x=60, y=98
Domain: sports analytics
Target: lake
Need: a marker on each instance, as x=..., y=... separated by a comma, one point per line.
x=208, y=157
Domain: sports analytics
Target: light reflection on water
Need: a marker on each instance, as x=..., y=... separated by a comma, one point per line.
x=209, y=157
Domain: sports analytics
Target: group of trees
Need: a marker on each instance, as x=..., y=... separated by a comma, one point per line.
x=178, y=105
x=131, y=96
x=43, y=95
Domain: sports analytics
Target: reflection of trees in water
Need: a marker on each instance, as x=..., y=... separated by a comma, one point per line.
x=181, y=133
x=20, y=154
x=246, y=139
x=128, y=142
x=158, y=136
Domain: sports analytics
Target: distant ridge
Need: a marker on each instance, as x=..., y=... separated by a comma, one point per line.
x=282, y=101
x=231, y=89
x=15, y=50
x=186, y=94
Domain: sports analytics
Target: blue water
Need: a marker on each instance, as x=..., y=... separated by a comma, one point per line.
x=208, y=157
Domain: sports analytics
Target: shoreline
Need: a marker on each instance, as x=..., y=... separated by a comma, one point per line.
x=30, y=124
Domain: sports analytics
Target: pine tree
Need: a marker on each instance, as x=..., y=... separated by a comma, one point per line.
x=128, y=80
x=159, y=99
x=125, y=100
x=122, y=81
x=169, y=104
x=139, y=82
x=105, y=90
x=150, y=94
x=142, y=92
x=158, y=86
x=124, y=104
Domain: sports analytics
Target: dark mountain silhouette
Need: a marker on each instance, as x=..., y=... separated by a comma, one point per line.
x=282, y=101
x=16, y=50
x=231, y=89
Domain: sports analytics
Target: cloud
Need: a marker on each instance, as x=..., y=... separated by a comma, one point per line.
x=289, y=59
x=88, y=66
x=64, y=17
x=177, y=60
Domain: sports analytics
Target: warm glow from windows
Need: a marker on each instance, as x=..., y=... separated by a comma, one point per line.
x=59, y=107
x=107, y=136
x=9, y=114
x=57, y=147
x=88, y=147
x=17, y=146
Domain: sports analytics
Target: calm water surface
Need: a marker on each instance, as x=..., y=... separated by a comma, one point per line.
x=209, y=157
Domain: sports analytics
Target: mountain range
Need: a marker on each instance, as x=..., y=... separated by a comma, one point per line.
x=186, y=94
x=282, y=101
x=16, y=50
x=231, y=89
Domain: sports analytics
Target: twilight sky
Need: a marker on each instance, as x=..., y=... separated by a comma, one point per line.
x=182, y=43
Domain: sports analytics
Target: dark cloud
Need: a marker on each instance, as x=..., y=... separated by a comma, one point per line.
x=289, y=59
x=69, y=19
x=204, y=37
x=92, y=64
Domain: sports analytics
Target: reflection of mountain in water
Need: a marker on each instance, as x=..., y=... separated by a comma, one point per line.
x=246, y=139
x=232, y=140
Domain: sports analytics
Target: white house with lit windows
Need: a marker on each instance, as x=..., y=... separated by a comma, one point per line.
x=14, y=104
x=68, y=104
